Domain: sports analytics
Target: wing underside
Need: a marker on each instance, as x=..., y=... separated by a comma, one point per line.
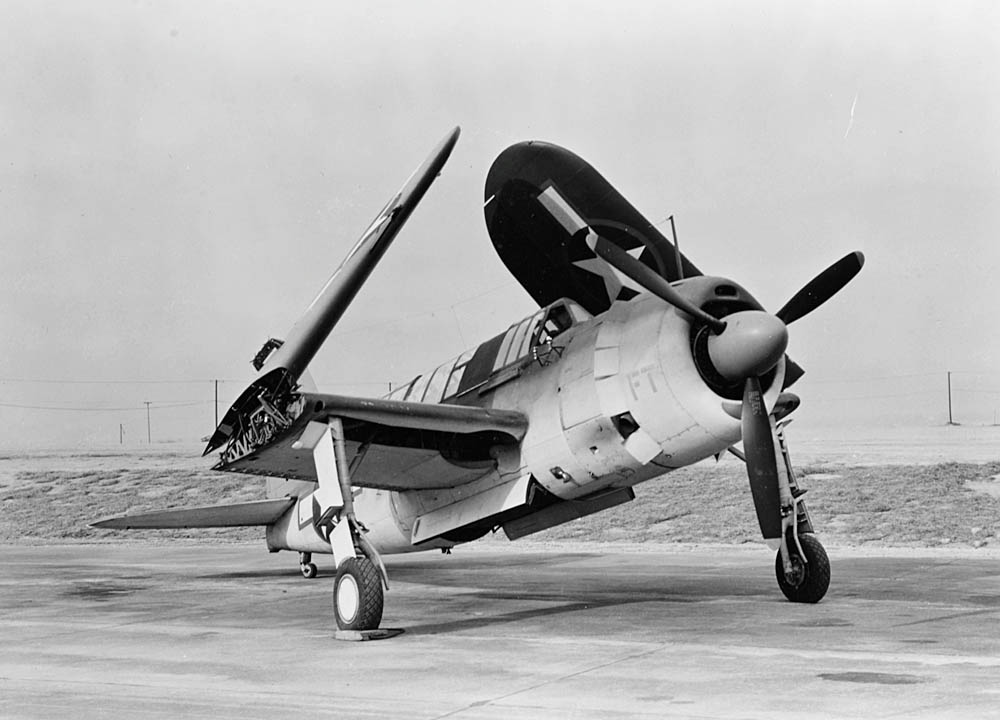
x=392, y=445
x=534, y=245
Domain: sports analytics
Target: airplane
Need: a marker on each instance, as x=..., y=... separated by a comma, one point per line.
x=634, y=365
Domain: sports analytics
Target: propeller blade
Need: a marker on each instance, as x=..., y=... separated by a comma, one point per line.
x=822, y=287
x=793, y=372
x=563, y=212
x=762, y=463
x=648, y=279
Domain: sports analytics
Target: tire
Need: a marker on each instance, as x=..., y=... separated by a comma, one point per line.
x=814, y=576
x=357, y=595
x=309, y=571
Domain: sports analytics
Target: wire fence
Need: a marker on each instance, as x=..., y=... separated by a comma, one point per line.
x=958, y=397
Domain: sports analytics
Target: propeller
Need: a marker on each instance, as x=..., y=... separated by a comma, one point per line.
x=756, y=425
x=742, y=348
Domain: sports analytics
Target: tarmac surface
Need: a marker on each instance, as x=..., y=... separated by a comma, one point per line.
x=179, y=631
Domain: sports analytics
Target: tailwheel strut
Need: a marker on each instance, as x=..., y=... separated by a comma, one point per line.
x=307, y=566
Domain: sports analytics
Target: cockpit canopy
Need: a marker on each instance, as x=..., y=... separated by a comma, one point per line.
x=527, y=339
x=537, y=330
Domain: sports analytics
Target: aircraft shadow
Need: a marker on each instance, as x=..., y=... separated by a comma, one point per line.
x=291, y=571
x=563, y=591
x=474, y=623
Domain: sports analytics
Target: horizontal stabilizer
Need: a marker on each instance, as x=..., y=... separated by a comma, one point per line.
x=259, y=512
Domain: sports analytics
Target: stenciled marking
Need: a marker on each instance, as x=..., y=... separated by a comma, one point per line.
x=645, y=376
x=307, y=510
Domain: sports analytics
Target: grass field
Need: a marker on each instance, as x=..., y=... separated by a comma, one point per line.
x=50, y=497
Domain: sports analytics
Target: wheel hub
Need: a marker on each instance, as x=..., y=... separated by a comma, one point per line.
x=348, y=598
x=797, y=575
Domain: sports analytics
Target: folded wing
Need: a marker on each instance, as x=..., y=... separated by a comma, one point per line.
x=281, y=370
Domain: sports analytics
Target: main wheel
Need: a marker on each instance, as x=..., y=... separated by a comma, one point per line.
x=357, y=595
x=808, y=581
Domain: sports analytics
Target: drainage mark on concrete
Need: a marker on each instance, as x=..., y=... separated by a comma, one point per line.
x=824, y=622
x=100, y=591
x=873, y=678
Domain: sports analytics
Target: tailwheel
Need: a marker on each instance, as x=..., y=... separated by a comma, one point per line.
x=357, y=595
x=306, y=565
x=808, y=581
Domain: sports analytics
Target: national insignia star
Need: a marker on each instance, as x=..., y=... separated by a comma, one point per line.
x=614, y=279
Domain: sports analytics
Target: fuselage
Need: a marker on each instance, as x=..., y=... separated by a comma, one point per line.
x=612, y=401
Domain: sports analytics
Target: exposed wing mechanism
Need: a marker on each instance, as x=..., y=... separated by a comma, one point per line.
x=404, y=445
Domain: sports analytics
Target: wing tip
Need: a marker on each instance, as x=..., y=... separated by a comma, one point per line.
x=115, y=523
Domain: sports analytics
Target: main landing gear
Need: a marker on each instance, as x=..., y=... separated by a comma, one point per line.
x=357, y=595
x=358, y=591
x=809, y=575
x=801, y=565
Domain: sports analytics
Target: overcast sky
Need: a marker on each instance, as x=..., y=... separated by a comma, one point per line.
x=179, y=179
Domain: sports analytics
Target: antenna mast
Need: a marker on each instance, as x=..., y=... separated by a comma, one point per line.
x=677, y=250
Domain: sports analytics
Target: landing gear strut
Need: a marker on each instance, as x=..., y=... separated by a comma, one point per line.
x=801, y=565
x=358, y=591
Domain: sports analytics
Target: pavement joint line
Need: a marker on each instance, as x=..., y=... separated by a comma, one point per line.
x=153, y=688
x=551, y=681
x=944, y=708
x=859, y=656
x=161, y=621
x=954, y=616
